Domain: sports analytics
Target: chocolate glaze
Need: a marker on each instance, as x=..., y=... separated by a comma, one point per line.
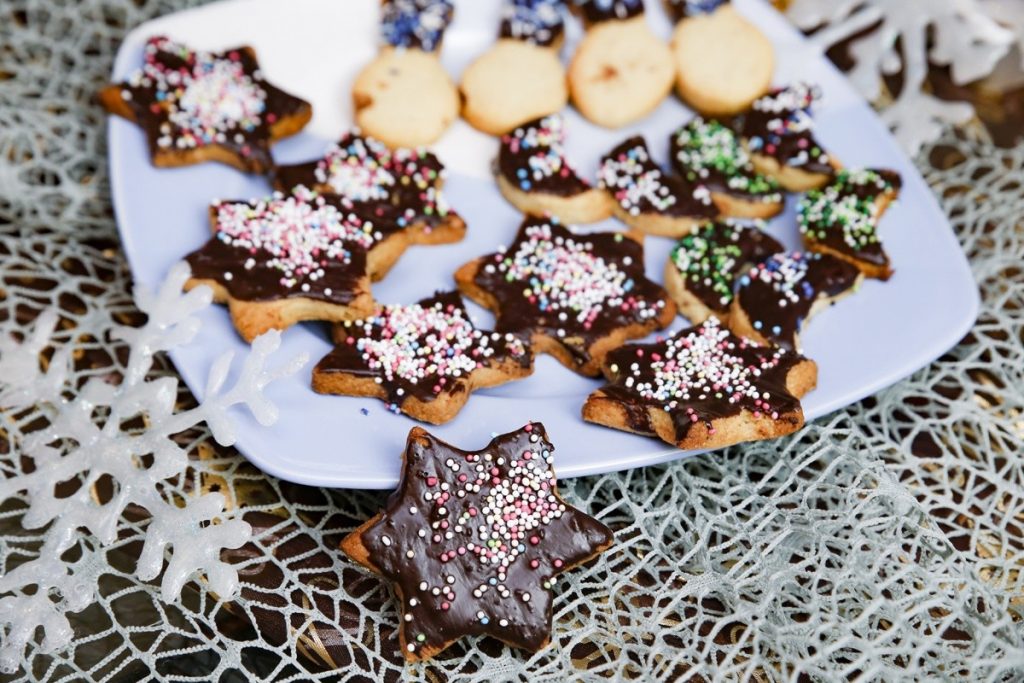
x=825, y=276
x=254, y=147
x=347, y=358
x=691, y=200
x=526, y=143
x=681, y=9
x=540, y=22
x=594, y=11
x=566, y=538
x=774, y=128
x=641, y=362
x=717, y=253
x=402, y=24
x=870, y=252
x=708, y=152
x=517, y=313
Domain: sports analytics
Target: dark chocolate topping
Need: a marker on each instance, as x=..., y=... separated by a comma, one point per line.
x=640, y=186
x=779, y=125
x=532, y=158
x=595, y=11
x=472, y=540
x=709, y=153
x=301, y=245
x=778, y=293
x=540, y=22
x=700, y=374
x=421, y=350
x=681, y=9
x=842, y=216
x=415, y=23
x=186, y=100
x=710, y=259
x=575, y=289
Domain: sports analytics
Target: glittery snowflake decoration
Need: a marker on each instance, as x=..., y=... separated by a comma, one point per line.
x=86, y=437
x=962, y=37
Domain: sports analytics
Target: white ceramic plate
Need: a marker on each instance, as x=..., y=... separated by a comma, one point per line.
x=314, y=48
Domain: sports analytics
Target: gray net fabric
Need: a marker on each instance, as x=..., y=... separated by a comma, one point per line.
x=883, y=541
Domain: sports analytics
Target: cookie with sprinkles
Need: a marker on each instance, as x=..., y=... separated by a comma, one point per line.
x=723, y=62
x=702, y=267
x=620, y=71
x=423, y=360
x=703, y=387
x=842, y=218
x=286, y=259
x=778, y=131
x=707, y=152
x=401, y=188
x=472, y=541
x=536, y=177
x=520, y=78
x=576, y=295
x=404, y=97
x=776, y=297
x=647, y=198
x=196, y=106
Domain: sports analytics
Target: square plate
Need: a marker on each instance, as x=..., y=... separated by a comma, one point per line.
x=314, y=49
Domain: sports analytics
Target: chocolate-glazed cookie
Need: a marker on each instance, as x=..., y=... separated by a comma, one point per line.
x=596, y=11
x=703, y=387
x=777, y=296
x=471, y=541
x=197, y=106
x=709, y=153
x=416, y=24
x=703, y=266
x=537, y=178
x=649, y=199
x=577, y=295
x=424, y=360
x=540, y=22
x=779, y=133
x=842, y=218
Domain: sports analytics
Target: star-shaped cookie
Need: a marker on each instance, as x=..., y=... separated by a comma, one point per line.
x=197, y=106
x=424, y=360
x=577, y=295
x=286, y=259
x=647, y=198
x=842, y=218
x=471, y=541
x=703, y=387
x=401, y=186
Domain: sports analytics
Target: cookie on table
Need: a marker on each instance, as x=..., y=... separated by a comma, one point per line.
x=842, y=218
x=779, y=134
x=197, y=106
x=520, y=78
x=777, y=296
x=424, y=360
x=401, y=186
x=707, y=152
x=702, y=267
x=471, y=541
x=535, y=176
x=723, y=62
x=703, y=387
x=647, y=198
x=404, y=97
x=621, y=71
x=576, y=295
x=284, y=260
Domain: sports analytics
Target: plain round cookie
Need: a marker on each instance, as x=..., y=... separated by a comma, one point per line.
x=620, y=72
x=723, y=62
x=510, y=84
x=405, y=98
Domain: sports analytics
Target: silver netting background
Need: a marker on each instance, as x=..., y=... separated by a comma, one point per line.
x=884, y=541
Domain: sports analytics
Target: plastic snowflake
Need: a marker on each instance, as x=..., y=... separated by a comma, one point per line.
x=963, y=37
x=84, y=440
